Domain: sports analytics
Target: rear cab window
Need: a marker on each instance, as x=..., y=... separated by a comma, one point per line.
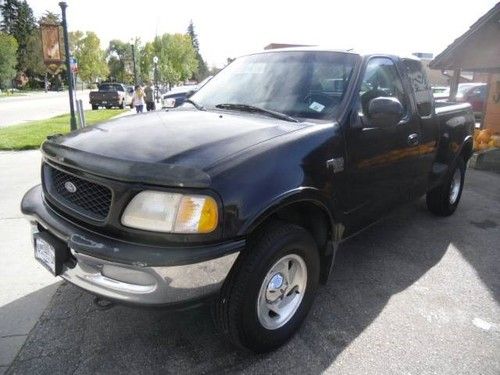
x=420, y=86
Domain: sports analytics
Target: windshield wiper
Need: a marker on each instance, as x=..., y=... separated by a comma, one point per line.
x=251, y=108
x=196, y=105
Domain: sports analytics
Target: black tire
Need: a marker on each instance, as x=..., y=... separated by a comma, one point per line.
x=235, y=311
x=108, y=107
x=439, y=200
x=122, y=105
x=95, y=107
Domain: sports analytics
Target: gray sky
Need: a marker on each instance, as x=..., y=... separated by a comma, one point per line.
x=232, y=28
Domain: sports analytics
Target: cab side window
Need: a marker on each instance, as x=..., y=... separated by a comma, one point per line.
x=420, y=86
x=381, y=79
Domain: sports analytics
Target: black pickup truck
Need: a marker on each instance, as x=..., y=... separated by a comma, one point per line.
x=242, y=195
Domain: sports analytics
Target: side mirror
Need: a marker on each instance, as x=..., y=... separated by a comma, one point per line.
x=385, y=111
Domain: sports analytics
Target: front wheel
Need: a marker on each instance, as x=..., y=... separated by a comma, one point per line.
x=270, y=289
x=443, y=200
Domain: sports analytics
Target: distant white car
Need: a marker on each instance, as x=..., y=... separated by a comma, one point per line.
x=178, y=95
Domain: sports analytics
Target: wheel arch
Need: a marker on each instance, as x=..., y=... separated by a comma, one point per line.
x=466, y=148
x=311, y=211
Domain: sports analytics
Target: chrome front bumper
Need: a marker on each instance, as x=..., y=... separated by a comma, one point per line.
x=149, y=285
x=133, y=273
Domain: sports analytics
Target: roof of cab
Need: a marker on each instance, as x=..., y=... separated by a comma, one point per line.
x=364, y=53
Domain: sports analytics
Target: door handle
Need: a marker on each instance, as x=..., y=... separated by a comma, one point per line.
x=413, y=139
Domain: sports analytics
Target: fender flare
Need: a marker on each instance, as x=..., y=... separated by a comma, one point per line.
x=469, y=140
x=298, y=195
x=309, y=195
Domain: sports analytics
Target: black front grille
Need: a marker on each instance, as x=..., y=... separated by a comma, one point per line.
x=82, y=196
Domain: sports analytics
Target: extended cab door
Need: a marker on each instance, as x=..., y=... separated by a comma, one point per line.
x=380, y=156
x=424, y=105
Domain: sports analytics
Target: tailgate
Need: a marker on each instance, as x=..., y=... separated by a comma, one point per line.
x=104, y=96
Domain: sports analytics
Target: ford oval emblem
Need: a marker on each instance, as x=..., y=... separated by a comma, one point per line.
x=69, y=186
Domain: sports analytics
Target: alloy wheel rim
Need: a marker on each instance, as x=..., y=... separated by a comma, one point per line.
x=455, y=186
x=282, y=291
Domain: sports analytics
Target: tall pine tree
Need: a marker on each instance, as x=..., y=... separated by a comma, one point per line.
x=18, y=21
x=23, y=30
x=202, y=66
x=9, y=10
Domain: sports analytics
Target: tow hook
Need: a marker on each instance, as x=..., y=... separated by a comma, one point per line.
x=103, y=304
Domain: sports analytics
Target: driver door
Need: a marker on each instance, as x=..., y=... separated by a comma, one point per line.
x=381, y=160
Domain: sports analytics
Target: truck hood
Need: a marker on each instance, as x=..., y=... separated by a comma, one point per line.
x=168, y=148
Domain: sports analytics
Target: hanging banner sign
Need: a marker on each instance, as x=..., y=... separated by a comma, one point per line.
x=50, y=44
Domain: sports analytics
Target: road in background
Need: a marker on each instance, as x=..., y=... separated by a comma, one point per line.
x=37, y=106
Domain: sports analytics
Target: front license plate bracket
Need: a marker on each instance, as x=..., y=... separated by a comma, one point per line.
x=50, y=251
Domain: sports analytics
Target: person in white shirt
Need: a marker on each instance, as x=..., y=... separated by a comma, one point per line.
x=138, y=99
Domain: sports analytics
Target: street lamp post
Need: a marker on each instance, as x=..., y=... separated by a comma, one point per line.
x=132, y=43
x=155, y=61
x=63, y=6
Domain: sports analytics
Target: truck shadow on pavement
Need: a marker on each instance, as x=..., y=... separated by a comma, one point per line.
x=73, y=336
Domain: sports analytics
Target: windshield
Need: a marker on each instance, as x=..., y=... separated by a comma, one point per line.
x=308, y=84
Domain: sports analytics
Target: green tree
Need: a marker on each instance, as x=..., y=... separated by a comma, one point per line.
x=34, y=62
x=18, y=21
x=85, y=47
x=120, y=64
x=51, y=18
x=146, y=63
x=202, y=71
x=9, y=10
x=23, y=30
x=177, y=57
x=8, y=49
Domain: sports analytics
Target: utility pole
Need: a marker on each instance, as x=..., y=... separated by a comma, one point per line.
x=133, y=61
x=157, y=96
x=69, y=75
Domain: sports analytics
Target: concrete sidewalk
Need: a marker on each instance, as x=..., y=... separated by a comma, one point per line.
x=25, y=287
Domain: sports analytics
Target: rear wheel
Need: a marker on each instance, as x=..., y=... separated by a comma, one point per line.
x=443, y=200
x=95, y=107
x=122, y=104
x=270, y=289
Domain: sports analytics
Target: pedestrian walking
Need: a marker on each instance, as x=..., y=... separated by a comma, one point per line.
x=138, y=99
x=149, y=95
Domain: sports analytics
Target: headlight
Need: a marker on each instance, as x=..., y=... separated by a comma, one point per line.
x=170, y=212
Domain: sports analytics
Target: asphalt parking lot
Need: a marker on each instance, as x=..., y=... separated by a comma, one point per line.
x=413, y=294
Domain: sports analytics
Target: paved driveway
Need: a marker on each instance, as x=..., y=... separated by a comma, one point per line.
x=414, y=294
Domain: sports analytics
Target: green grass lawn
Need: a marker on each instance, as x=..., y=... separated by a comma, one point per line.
x=31, y=135
x=9, y=95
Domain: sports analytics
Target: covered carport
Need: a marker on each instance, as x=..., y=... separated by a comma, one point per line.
x=477, y=50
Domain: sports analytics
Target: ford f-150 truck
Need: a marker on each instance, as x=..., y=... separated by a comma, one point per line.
x=242, y=195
